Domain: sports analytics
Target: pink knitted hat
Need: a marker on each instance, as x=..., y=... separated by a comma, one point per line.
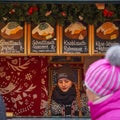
x=103, y=76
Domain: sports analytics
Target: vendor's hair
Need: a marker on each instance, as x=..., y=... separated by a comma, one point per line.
x=77, y=99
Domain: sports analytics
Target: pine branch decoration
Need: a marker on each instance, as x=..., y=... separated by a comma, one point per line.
x=57, y=13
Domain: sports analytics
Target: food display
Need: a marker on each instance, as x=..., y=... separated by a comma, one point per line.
x=43, y=31
x=76, y=31
x=107, y=31
x=12, y=30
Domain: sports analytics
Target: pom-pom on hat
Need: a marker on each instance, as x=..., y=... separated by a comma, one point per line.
x=103, y=76
x=66, y=72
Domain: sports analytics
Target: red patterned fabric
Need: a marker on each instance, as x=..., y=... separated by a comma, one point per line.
x=24, y=84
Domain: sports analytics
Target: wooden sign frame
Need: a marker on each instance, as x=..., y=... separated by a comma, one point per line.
x=100, y=46
x=30, y=39
x=66, y=59
x=14, y=46
x=76, y=53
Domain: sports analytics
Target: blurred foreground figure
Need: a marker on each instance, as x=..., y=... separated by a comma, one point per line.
x=102, y=82
x=2, y=109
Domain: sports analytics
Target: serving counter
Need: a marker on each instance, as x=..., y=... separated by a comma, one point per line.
x=50, y=118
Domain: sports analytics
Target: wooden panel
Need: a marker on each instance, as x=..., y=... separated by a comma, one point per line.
x=9, y=114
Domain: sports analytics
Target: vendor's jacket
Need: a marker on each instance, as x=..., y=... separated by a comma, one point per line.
x=56, y=109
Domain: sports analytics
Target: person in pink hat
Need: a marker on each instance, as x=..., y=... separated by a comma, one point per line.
x=102, y=82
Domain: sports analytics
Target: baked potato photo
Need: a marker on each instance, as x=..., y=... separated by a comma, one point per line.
x=43, y=31
x=76, y=31
x=12, y=31
x=107, y=31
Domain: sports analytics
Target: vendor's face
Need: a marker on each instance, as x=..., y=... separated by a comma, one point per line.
x=64, y=84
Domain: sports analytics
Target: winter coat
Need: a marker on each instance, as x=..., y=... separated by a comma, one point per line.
x=59, y=110
x=109, y=109
x=2, y=109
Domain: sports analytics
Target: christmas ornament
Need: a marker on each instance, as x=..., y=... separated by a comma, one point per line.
x=107, y=13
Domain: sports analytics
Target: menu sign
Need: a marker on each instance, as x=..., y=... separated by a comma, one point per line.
x=75, y=46
x=12, y=38
x=43, y=39
x=11, y=46
x=75, y=39
x=106, y=35
x=43, y=46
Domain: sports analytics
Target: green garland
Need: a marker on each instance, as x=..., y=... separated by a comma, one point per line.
x=57, y=13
